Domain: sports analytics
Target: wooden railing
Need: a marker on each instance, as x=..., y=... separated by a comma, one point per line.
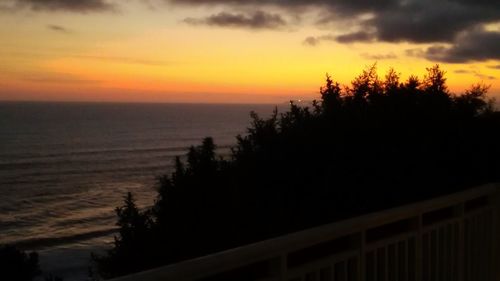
x=447, y=238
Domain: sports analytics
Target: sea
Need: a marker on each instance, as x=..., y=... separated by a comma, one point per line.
x=65, y=167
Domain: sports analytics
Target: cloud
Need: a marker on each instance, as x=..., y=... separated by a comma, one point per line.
x=463, y=71
x=422, y=21
x=485, y=77
x=58, y=28
x=430, y=21
x=255, y=20
x=124, y=60
x=415, y=52
x=81, y=6
x=394, y=21
x=474, y=45
x=439, y=22
x=475, y=73
x=347, y=6
x=389, y=56
x=360, y=36
x=52, y=77
x=313, y=41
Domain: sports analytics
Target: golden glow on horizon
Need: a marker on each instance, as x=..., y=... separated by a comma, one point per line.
x=144, y=58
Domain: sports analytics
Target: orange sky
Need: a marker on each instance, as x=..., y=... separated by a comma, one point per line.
x=149, y=53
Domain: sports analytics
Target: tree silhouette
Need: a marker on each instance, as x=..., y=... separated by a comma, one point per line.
x=133, y=244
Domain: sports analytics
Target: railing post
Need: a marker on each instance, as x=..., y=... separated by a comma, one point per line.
x=496, y=234
x=461, y=243
x=419, y=249
x=283, y=267
x=362, y=256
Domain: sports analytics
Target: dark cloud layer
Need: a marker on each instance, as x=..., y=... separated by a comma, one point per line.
x=65, y=5
x=347, y=6
x=474, y=45
x=429, y=21
x=256, y=20
x=415, y=21
x=421, y=21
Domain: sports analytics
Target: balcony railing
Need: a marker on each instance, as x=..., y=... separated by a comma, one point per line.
x=447, y=238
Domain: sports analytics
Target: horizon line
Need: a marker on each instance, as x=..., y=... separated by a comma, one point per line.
x=147, y=102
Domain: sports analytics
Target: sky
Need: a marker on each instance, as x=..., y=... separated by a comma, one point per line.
x=229, y=51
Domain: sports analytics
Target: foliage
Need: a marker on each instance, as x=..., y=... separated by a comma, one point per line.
x=17, y=265
x=372, y=145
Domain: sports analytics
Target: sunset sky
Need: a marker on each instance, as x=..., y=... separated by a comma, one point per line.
x=235, y=51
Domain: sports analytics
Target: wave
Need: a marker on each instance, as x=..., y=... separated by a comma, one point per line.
x=20, y=166
x=44, y=242
x=131, y=171
x=132, y=156
x=33, y=156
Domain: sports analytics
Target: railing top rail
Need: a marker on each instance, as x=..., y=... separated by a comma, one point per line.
x=264, y=250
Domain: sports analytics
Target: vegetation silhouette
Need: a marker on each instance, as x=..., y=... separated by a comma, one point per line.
x=375, y=144
x=17, y=265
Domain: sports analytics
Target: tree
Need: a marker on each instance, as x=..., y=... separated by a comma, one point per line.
x=330, y=96
x=474, y=102
x=367, y=86
x=132, y=245
x=435, y=81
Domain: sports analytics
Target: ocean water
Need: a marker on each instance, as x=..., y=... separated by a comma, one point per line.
x=64, y=167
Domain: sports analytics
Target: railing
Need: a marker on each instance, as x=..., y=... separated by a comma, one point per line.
x=447, y=238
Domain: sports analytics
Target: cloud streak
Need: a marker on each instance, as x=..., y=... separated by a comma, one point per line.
x=255, y=20
x=313, y=41
x=124, y=60
x=360, y=36
x=58, y=28
x=475, y=73
x=388, y=56
x=79, y=6
x=57, y=78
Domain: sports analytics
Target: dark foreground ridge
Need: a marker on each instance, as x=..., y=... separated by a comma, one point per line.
x=370, y=146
